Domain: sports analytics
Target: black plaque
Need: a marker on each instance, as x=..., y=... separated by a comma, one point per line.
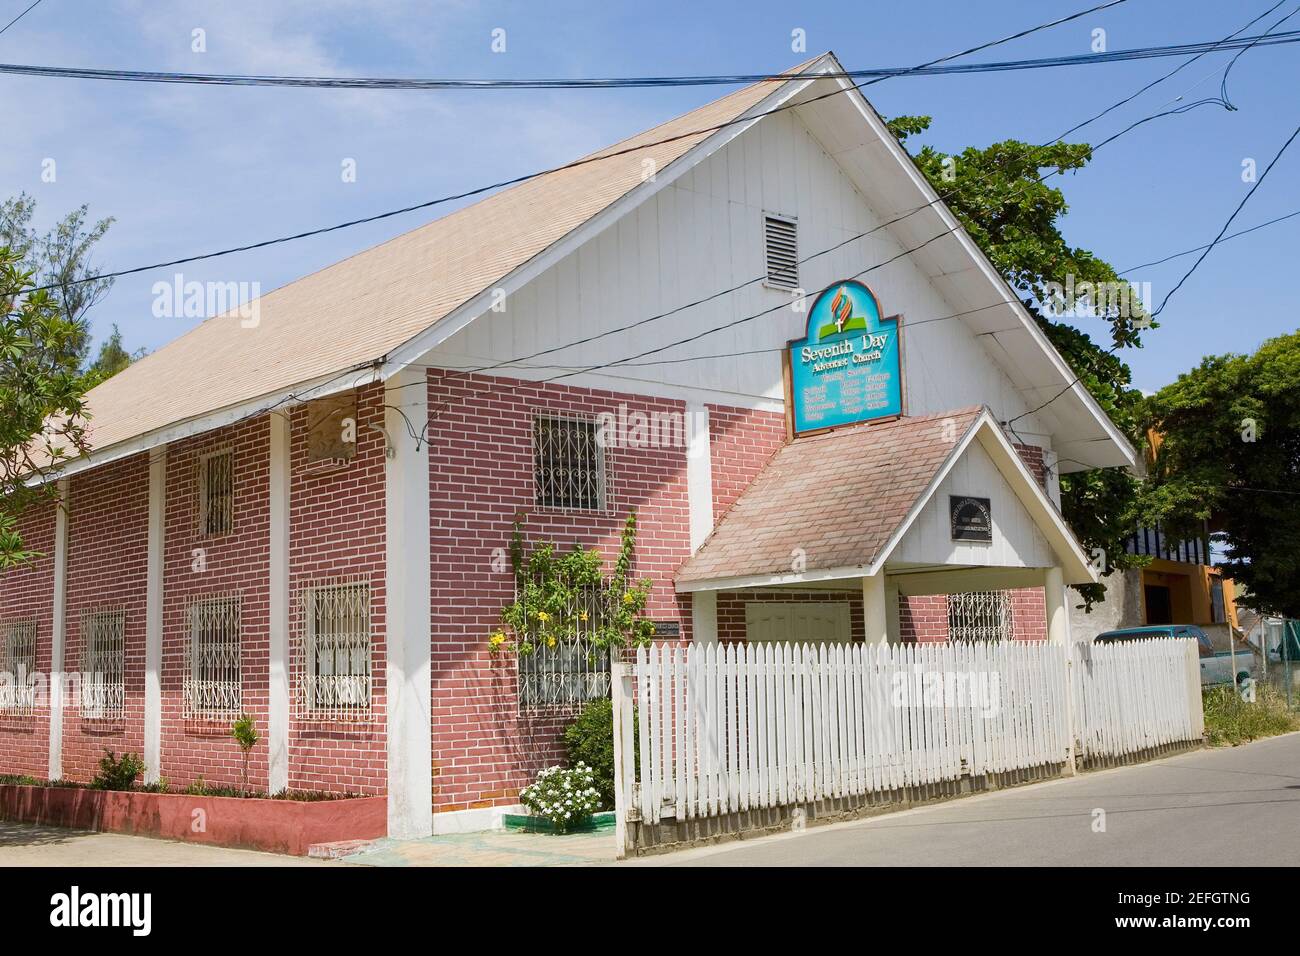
x=972, y=518
x=667, y=629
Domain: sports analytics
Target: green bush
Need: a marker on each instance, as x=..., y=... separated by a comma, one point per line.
x=115, y=774
x=566, y=797
x=1231, y=720
x=590, y=740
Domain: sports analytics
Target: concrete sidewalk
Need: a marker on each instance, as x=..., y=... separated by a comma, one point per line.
x=25, y=844
x=493, y=848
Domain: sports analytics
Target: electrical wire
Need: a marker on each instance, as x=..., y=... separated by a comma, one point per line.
x=19, y=17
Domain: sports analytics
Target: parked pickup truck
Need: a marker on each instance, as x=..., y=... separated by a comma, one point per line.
x=1216, y=666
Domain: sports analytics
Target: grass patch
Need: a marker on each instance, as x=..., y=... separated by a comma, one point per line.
x=1230, y=721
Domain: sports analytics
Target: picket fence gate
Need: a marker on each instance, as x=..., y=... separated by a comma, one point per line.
x=729, y=728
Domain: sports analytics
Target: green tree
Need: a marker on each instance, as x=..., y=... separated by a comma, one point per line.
x=111, y=359
x=42, y=412
x=61, y=258
x=1229, y=454
x=1003, y=197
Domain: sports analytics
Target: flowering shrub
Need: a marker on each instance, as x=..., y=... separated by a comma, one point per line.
x=564, y=796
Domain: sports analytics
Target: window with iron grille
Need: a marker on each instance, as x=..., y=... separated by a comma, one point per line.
x=568, y=464
x=103, y=663
x=212, y=688
x=572, y=670
x=781, y=251
x=332, y=659
x=979, y=616
x=18, y=661
x=217, y=493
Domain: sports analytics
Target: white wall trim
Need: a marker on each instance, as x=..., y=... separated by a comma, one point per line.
x=473, y=821
x=58, y=631
x=153, y=615
x=408, y=624
x=704, y=617
x=277, y=737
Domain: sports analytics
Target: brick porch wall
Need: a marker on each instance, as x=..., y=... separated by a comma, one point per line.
x=336, y=532
x=108, y=539
x=481, y=466
x=26, y=593
x=231, y=563
x=731, y=609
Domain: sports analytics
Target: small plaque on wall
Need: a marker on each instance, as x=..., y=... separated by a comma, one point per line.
x=667, y=628
x=972, y=518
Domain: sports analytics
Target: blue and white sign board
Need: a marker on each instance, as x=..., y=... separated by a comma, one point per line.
x=848, y=368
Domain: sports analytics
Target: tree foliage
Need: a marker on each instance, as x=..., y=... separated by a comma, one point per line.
x=1229, y=455
x=1001, y=195
x=42, y=413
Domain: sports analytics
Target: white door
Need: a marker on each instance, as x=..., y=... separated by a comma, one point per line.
x=799, y=623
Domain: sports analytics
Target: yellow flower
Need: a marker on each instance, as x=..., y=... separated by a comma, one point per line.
x=550, y=642
x=582, y=616
x=627, y=597
x=543, y=616
x=498, y=639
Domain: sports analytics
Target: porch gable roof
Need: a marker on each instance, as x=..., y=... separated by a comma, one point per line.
x=835, y=506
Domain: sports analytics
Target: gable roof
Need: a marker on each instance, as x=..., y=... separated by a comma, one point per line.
x=844, y=501
x=366, y=317
x=360, y=309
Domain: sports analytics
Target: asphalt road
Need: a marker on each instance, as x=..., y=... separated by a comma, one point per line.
x=1232, y=807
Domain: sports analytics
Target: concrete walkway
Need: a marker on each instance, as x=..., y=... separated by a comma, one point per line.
x=495, y=848
x=24, y=844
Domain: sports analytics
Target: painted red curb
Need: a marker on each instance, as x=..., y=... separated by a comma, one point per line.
x=276, y=826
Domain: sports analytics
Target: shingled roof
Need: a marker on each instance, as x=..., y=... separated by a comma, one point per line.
x=361, y=308
x=841, y=499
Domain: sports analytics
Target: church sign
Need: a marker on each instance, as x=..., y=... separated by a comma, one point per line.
x=848, y=367
x=972, y=518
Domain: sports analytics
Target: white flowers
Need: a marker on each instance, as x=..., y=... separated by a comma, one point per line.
x=563, y=795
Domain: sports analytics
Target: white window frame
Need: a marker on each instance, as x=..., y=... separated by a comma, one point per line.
x=205, y=697
x=333, y=696
x=18, y=660
x=768, y=281
x=601, y=478
x=103, y=663
x=205, y=498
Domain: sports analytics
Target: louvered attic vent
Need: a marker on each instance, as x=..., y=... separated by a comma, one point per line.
x=782, y=252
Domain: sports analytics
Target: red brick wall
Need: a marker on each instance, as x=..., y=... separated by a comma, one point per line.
x=741, y=443
x=27, y=592
x=232, y=563
x=108, y=535
x=1032, y=456
x=731, y=609
x=925, y=617
x=481, y=465
x=337, y=531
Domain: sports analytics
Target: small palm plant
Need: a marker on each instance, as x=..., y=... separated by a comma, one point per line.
x=245, y=733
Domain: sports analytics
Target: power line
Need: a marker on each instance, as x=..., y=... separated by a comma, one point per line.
x=1188, y=252
x=19, y=17
x=598, y=157
x=630, y=82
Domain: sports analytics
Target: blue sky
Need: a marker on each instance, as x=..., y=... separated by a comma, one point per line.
x=189, y=169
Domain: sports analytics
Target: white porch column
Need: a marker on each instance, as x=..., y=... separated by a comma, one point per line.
x=153, y=616
x=277, y=732
x=699, y=474
x=58, y=631
x=875, y=615
x=406, y=501
x=704, y=617
x=1058, y=617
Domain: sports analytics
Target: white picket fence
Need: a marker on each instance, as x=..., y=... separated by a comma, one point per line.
x=728, y=728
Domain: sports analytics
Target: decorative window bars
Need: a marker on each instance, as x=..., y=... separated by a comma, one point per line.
x=331, y=660
x=18, y=662
x=573, y=670
x=212, y=687
x=568, y=464
x=979, y=616
x=103, y=663
x=217, y=493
